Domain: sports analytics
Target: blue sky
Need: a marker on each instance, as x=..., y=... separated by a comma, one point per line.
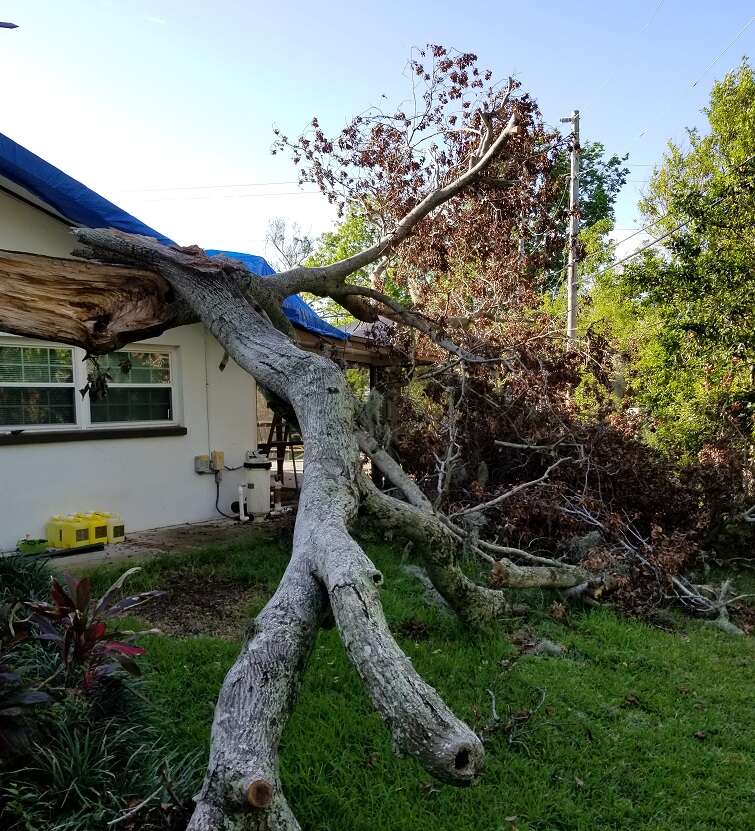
x=152, y=102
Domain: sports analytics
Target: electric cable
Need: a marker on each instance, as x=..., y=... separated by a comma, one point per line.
x=217, y=501
x=724, y=51
x=655, y=241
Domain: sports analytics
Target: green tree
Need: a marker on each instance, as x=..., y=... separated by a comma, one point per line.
x=601, y=179
x=684, y=315
x=352, y=235
x=706, y=276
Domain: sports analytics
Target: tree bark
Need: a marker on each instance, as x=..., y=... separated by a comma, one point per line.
x=326, y=560
x=93, y=305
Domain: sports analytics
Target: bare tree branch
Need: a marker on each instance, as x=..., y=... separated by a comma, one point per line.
x=326, y=279
x=509, y=493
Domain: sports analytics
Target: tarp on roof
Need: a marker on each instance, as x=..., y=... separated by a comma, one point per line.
x=82, y=206
x=296, y=310
x=70, y=198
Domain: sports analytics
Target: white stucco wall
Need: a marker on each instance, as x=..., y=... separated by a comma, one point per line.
x=150, y=481
x=24, y=228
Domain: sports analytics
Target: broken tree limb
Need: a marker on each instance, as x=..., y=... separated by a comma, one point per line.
x=484, y=506
x=327, y=279
x=419, y=721
x=432, y=595
x=436, y=546
x=391, y=469
x=324, y=551
x=709, y=601
x=254, y=704
x=440, y=531
x=96, y=306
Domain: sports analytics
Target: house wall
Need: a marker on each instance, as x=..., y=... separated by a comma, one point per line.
x=150, y=481
x=24, y=228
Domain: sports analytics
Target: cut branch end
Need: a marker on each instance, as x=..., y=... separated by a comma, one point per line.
x=260, y=794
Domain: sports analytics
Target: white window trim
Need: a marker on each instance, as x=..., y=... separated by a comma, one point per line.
x=82, y=410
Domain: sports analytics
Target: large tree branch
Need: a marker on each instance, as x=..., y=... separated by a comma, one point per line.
x=436, y=546
x=323, y=280
x=547, y=573
x=96, y=306
x=325, y=408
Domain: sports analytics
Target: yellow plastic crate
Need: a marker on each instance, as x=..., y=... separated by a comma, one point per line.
x=97, y=527
x=116, y=527
x=67, y=532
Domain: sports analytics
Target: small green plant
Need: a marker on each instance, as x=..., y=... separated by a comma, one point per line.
x=86, y=771
x=78, y=625
x=24, y=578
x=96, y=753
x=19, y=705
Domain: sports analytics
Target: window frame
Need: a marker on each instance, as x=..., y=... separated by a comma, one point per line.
x=82, y=404
x=172, y=422
x=72, y=385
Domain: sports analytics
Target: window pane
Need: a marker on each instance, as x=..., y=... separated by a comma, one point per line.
x=39, y=373
x=10, y=395
x=142, y=367
x=35, y=355
x=10, y=355
x=36, y=365
x=139, y=375
x=20, y=406
x=133, y=404
x=10, y=415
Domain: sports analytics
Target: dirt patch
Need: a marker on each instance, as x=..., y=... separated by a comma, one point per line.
x=202, y=604
x=414, y=629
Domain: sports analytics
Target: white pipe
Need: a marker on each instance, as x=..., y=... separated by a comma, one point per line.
x=242, y=502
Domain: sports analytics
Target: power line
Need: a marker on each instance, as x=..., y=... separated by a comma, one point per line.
x=724, y=51
x=611, y=75
x=235, y=196
x=655, y=241
x=211, y=187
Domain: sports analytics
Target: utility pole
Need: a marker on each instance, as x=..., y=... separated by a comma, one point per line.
x=571, y=269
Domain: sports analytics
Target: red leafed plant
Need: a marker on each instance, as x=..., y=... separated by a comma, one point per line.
x=78, y=624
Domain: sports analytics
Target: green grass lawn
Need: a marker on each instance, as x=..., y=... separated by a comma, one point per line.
x=636, y=728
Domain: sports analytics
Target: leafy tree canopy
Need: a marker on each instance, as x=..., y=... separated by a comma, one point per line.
x=705, y=277
x=683, y=317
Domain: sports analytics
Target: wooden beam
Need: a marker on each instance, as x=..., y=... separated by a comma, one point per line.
x=355, y=350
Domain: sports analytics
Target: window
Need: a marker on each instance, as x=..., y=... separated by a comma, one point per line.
x=140, y=390
x=36, y=386
x=39, y=387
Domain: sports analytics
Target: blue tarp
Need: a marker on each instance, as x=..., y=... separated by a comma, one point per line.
x=82, y=206
x=296, y=310
x=70, y=198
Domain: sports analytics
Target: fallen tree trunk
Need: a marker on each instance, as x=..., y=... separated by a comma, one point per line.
x=97, y=306
x=328, y=570
x=327, y=566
